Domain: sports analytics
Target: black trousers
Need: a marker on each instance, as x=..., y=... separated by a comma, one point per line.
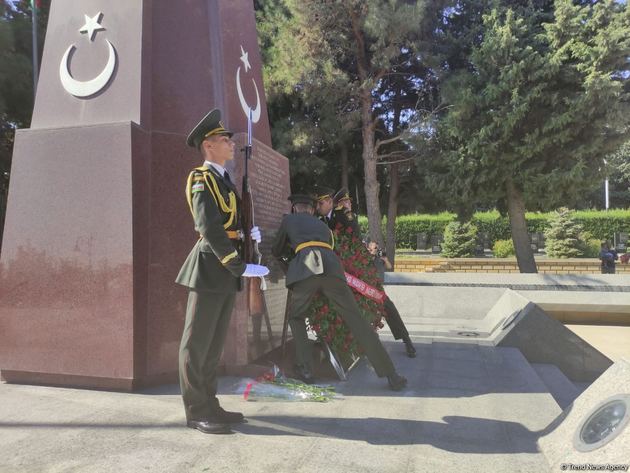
x=396, y=325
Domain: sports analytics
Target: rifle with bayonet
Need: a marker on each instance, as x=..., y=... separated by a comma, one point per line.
x=256, y=303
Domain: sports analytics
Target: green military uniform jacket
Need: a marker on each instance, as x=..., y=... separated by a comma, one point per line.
x=300, y=228
x=214, y=263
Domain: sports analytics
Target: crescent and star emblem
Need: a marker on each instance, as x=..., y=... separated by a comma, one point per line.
x=88, y=88
x=244, y=105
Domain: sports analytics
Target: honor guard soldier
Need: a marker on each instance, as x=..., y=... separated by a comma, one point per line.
x=314, y=267
x=335, y=209
x=342, y=203
x=324, y=205
x=340, y=217
x=212, y=273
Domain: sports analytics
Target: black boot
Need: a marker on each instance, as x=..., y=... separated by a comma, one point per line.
x=228, y=417
x=409, y=348
x=209, y=426
x=220, y=415
x=396, y=382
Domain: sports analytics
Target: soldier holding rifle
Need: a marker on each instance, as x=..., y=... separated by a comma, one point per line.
x=212, y=272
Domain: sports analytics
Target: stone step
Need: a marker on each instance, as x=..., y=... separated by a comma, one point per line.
x=563, y=390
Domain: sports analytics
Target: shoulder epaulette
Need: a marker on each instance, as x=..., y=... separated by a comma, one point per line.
x=202, y=175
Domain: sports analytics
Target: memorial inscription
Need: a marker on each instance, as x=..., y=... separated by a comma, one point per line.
x=268, y=174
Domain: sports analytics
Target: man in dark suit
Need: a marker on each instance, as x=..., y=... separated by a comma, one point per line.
x=212, y=273
x=315, y=267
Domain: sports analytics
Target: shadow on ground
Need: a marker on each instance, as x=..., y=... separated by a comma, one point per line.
x=454, y=434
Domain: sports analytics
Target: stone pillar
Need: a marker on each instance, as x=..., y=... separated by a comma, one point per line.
x=97, y=223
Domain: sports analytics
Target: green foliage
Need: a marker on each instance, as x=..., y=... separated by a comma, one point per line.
x=564, y=237
x=16, y=80
x=603, y=224
x=598, y=224
x=617, y=169
x=590, y=247
x=503, y=248
x=534, y=102
x=339, y=75
x=460, y=240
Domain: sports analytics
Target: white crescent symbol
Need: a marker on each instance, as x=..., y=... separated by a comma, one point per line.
x=244, y=106
x=86, y=88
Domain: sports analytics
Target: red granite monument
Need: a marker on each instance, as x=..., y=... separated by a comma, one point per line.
x=97, y=222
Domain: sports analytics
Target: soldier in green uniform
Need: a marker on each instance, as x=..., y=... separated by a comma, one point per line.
x=342, y=202
x=342, y=217
x=334, y=211
x=212, y=273
x=315, y=267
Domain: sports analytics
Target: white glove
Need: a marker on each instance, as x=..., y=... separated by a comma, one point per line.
x=255, y=233
x=255, y=271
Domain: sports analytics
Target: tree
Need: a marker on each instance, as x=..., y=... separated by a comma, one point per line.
x=16, y=80
x=533, y=110
x=563, y=238
x=460, y=240
x=332, y=58
x=618, y=170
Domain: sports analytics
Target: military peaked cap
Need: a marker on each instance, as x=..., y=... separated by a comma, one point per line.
x=302, y=199
x=210, y=125
x=322, y=192
x=342, y=194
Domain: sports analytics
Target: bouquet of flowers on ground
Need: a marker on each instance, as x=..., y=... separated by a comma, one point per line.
x=324, y=319
x=274, y=386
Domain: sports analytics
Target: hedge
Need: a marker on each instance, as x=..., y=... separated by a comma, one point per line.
x=601, y=224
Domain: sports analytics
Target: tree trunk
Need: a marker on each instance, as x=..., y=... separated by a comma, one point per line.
x=369, y=168
x=392, y=212
x=394, y=186
x=367, y=129
x=344, y=165
x=520, y=237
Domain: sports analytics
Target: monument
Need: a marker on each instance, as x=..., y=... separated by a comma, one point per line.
x=97, y=222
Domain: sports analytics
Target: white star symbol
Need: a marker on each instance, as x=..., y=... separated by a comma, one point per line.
x=245, y=59
x=92, y=25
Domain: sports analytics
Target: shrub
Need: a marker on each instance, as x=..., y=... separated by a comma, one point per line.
x=564, y=237
x=601, y=224
x=503, y=248
x=459, y=240
x=591, y=248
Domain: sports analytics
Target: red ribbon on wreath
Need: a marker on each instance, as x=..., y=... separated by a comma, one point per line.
x=365, y=289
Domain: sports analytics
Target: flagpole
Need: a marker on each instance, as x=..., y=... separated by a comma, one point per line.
x=35, y=52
